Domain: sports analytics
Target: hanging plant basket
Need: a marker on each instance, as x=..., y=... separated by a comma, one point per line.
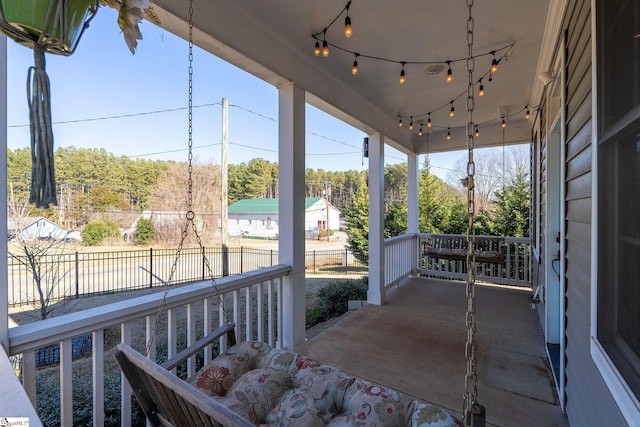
x=54, y=24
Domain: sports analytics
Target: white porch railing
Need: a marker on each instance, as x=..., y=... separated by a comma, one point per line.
x=401, y=258
x=513, y=268
x=193, y=306
x=407, y=254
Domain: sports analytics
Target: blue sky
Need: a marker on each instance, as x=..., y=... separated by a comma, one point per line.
x=102, y=79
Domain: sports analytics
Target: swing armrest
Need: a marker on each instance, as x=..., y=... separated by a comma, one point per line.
x=199, y=345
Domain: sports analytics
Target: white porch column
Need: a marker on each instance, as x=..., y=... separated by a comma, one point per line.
x=376, y=294
x=412, y=193
x=4, y=286
x=291, y=188
x=412, y=205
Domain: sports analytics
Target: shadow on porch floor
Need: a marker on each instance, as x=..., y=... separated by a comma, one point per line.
x=415, y=344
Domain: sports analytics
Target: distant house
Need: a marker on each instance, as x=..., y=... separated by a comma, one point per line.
x=32, y=228
x=167, y=224
x=259, y=217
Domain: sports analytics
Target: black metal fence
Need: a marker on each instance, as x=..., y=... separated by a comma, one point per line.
x=54, y=277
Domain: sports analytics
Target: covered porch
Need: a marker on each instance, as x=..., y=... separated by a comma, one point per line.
x=414, y=343
x=545, y=52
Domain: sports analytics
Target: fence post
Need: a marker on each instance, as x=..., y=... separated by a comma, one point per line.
x=314, y=261
x=204, y=258
x=150, y=267
x=346, y=261
x=241, y=259
x=271, y=255
x=77, y=277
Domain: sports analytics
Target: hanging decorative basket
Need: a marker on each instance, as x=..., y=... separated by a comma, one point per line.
x=54, y=24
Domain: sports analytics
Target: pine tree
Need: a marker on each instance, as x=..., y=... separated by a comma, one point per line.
x=511, y=215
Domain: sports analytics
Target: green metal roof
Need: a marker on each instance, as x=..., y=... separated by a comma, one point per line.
x=263, y=206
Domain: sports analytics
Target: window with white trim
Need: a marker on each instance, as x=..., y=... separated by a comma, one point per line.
x=618, y=298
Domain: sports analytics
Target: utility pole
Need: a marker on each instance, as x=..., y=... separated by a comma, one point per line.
x=326, y=205
x=224, y=202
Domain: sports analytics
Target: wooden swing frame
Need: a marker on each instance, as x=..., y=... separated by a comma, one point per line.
x=460, y=254
x=166, y=399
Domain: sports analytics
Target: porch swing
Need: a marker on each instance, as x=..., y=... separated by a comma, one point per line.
x=253, y=384
x=488, y=250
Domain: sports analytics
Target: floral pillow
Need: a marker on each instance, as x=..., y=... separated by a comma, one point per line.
x=257, y=392
x=317, y=398
x=367, y=404
x=426, y=415
x=217, y=377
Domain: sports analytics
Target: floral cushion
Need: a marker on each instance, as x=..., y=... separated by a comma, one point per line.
x=316, y=398
x=368, y=404
x=216, y=378
x=272, y=387
x=257, y=392
x=426, y=415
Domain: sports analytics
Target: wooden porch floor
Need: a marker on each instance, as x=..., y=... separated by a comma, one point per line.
x=415, y=344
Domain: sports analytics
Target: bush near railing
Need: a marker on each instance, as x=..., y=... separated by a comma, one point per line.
x=98, y=273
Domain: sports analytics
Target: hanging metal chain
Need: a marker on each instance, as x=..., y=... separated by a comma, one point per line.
x=472, y=411
x=190, y=214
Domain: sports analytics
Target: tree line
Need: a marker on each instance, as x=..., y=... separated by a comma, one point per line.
x=94, y=184
x=502, y=200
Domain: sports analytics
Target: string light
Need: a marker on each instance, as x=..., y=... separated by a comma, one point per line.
x=527, y=115
x=496, y=54
x=411, y=123
x=420, y=131
x=494, y=62
x=348, y=30
x=502, y=120
x=448, y=134
x=325, y=48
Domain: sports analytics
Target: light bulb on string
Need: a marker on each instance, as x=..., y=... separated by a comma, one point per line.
x=504, y=124
x=400, y=122
x=527, y=114
x=477, y=134
x=452, y=111
x=494, y=62
x=448, y=134
x=411, y=123
x=481, y=89
x=420, y=131
x=490, y=77
x=354, y=68
x=402, y=74
x=449, y=72
x=429, y=121
x=348, y=29
x=316, y=50
x=325, y=48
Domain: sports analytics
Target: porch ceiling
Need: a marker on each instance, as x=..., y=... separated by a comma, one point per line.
x=273, y=40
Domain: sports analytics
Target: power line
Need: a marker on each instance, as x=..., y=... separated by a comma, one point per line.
x=170, y=110
x=121, y=116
